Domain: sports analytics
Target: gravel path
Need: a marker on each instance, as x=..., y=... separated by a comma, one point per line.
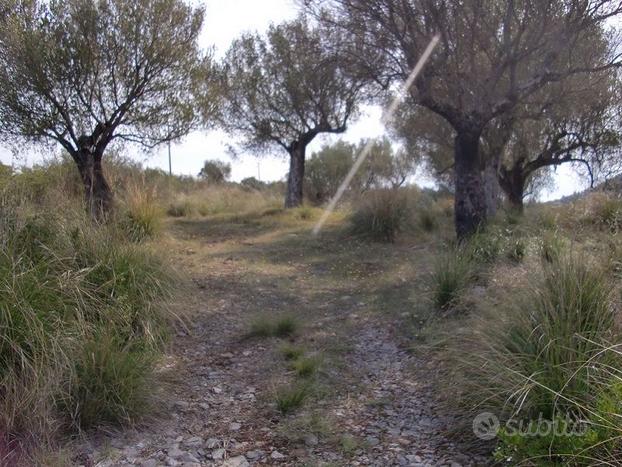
x=219, y=410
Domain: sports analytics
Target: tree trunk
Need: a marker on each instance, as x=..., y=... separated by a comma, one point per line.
x=470, y=196
x=513, y=184
x=98, y=194
x=491, y=186
x=295, y=179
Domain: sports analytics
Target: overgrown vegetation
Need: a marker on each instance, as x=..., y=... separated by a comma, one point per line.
x=83, y=311
x=537, y=347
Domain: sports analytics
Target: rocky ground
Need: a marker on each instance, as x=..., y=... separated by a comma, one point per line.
x=371, y=404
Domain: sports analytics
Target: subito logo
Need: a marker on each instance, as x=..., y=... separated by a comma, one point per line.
x=486, y=426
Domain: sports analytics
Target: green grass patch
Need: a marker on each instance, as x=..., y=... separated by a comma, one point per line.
x=305, y=367
x=290, y=398
x=453, y=272
x=291, y=351
x=274, y=326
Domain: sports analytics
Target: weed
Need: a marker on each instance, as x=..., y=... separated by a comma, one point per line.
x=452, y=273
x=290, y=398
x=552, y=246
x=268, y=326
x=516, y=251
x=306, y=367
x=292, y=352
x=111, y=383
x=349, y=444
x=541, y=354
x=380, y=215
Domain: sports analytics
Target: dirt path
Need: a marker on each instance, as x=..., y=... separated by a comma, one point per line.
x=367, y=406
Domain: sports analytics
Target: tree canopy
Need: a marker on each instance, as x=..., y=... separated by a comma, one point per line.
x=284, y=89
x=493, y=56
x=84, y=73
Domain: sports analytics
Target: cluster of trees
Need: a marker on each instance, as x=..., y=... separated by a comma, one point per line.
x=215, y=171
x=515, y=88
x=384, y=166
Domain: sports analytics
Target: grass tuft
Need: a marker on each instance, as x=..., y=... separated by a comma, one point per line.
x=380, y=215
x=306, y=367
x=270, y=326
x=291, y=352
x=453, y=271
x=290, y=398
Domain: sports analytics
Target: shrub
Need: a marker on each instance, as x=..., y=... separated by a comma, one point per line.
x=485, y=246
x=427, y=220
x=380, y=215
x=111, y=383
x=552, y=246
x=453, y=271
x=543, y=353
x=292, y=352
x=82, y=317
x=143, y=218
x=610, y=214
x=516, y=250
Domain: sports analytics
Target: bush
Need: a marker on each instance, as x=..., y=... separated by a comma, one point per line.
x=82, y=317
x=516, y=250
x=380, y=215
x=111, y=383
x=544, y=354
x=428, y=220
x=484, y=247
x=552, y=247
x=143, y=217
x=453, y=271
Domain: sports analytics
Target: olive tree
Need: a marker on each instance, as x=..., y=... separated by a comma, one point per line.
x=492, y=56
x=84, y=73
x=215, y=171
x=286, y=88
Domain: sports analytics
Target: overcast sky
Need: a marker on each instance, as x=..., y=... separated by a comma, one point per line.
x=225, y=20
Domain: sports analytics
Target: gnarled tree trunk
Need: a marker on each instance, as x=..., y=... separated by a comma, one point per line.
x=513, y=184
x=98, y=194
x=295, y=179
x=470, y=196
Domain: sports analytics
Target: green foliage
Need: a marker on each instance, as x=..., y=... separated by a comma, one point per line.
x=82, y=316
x=608, y=213
x=111, y=383
x=251, y=183
x=484, y=247
x=290, y=398
x=552, y=246
x=269, y=326
x=306, y=366
x=292, y=352
x=380, y=215
x=543, y=354
x=428, y=220
x=516, y=250
x=215, y=171
x=326, y=169
x=143, y=216
x=453, y=271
